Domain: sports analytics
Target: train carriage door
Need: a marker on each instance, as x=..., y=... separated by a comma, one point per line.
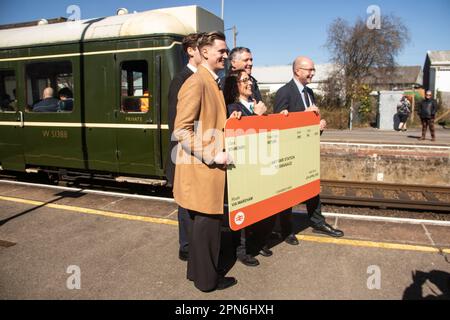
x=100, y=112
x=52, y=131
x=11, y=121
x=136, y=123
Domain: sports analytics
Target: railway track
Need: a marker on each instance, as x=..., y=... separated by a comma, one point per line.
x=341, y=193
x=383, y=195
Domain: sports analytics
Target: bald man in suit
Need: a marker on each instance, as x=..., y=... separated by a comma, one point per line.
x=295, y=96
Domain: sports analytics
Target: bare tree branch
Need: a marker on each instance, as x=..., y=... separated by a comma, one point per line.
x=358, y=51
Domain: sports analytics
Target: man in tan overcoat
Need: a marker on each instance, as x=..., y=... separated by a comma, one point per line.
x=200, y=172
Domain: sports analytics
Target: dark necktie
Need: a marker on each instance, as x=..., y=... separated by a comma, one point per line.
x=305, y=93
x=219, y=83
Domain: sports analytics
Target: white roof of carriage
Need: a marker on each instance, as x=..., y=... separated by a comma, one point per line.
x=178, y=20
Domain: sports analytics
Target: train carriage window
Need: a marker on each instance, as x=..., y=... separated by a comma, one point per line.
x=135, y=96
x=8, y=100
x=50, y=87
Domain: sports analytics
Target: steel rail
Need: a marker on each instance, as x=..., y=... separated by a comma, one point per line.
x=375, y=193
x=430, y=195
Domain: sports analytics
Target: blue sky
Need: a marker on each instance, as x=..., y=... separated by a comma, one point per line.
x=277, y=30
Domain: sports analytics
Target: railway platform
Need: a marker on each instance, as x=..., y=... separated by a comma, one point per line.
x=376, y=156
x=126, y=247
x=372, y=135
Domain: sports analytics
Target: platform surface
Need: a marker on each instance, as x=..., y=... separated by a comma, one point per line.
x=128, y=249
x=371, y=135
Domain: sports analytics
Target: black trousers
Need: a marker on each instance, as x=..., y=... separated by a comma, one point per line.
x=254, y=237
x=184, y=222
x=403, y=117
x=204, y=249
x=314, y=209
x=428, y=123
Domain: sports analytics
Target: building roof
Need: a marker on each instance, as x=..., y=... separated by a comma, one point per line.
x=399, y=75
x=178, y=20
x=283, y=74
x=439, y=57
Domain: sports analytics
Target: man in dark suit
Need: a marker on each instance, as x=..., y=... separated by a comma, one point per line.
x=190, y=46
x=48, y=102
x=295, y=96
x=241, y=58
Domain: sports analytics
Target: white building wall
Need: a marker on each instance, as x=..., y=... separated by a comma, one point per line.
x=442, y=80
x=274, y=87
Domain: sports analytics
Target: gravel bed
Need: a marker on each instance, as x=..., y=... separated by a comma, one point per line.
x=397, y=213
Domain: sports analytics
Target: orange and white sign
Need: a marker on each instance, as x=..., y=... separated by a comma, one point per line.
x=276, y=164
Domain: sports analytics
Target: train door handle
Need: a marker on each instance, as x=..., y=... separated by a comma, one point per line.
x=22, y=123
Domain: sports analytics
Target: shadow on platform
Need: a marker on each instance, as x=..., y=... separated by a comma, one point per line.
x=230, y=240
x=437, y=282
x=59, y=196
x=414, y=137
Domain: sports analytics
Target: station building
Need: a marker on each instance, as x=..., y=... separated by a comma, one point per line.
x=436, y=74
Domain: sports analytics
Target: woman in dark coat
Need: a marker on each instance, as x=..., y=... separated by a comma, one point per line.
x=238, y=97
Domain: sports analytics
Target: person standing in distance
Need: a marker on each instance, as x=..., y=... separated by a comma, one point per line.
x=427, y=112
x=295, y=96
x=201, y=163
x=404, y=109
x=190, y=47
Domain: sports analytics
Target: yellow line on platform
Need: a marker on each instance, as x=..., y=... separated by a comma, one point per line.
x=317, y=239
x=17, y=200
x=371, y=244
x=92, y=211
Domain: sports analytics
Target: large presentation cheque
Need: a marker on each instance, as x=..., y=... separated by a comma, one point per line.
x=276, y=164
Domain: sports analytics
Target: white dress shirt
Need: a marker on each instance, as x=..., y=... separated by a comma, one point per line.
x=193, y=69
x=300, y=88
x=248, y=105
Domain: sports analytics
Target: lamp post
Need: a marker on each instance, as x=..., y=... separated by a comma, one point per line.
x=235, y=33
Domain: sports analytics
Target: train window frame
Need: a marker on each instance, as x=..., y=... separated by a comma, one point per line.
x=62, y=83
x=12, y=103
x=145, y=87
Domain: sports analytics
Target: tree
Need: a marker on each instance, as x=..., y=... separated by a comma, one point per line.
x=331, y=88
x=359, y=50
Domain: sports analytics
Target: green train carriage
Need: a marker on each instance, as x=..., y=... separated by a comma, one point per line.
x=118, y=70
